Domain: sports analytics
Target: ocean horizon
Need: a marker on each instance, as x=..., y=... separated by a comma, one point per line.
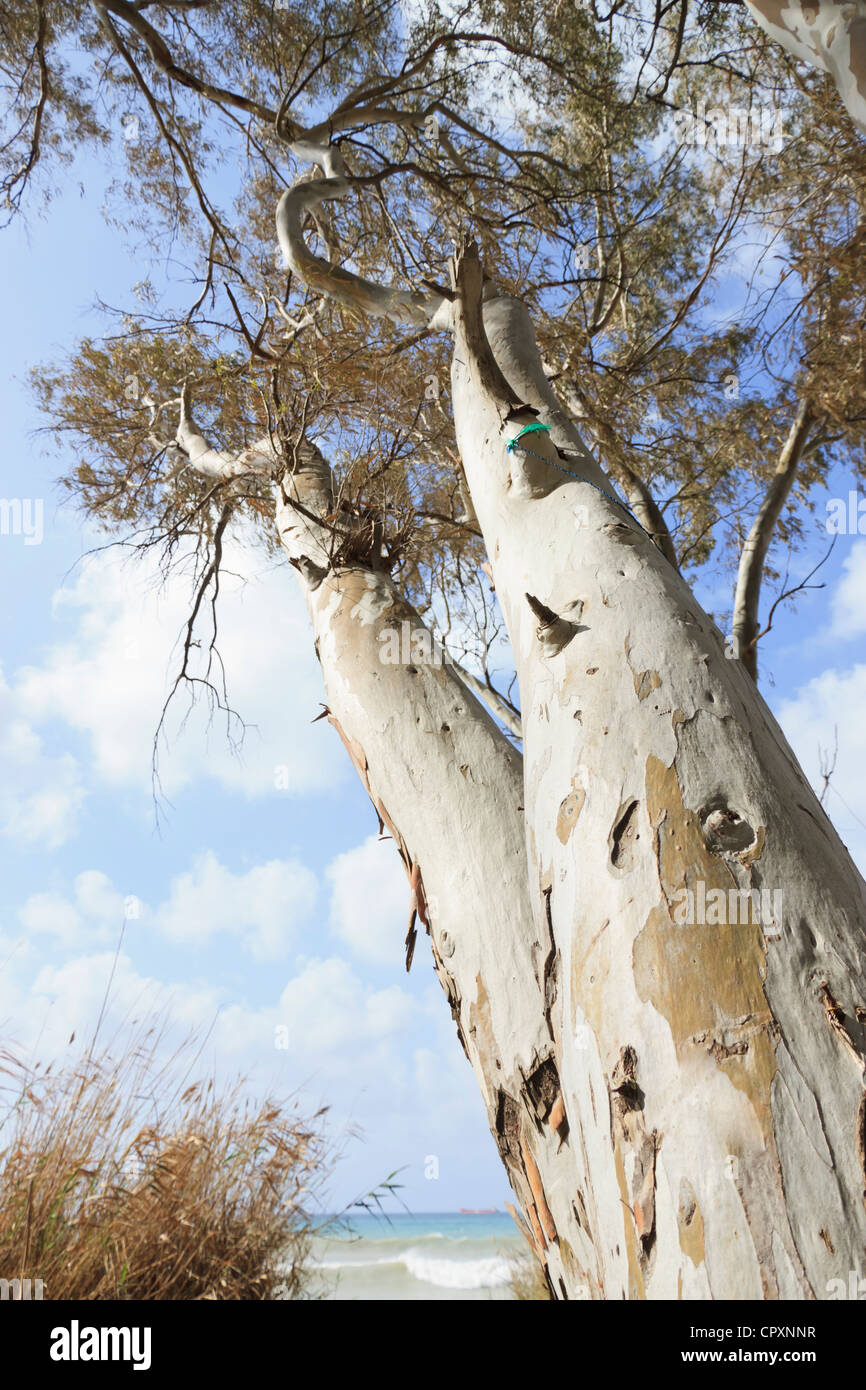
x=417, y=1256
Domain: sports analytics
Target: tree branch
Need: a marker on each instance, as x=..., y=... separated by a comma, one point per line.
x=162, y=59
x=467, y=280
x=751, y=567
x=18, y=181
x=220, y=463
x=400, y=306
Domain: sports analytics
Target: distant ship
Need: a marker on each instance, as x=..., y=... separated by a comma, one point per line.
x=478, y=1211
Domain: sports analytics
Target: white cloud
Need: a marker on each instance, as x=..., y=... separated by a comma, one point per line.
x=326, y=1022
x=52, y=914
x=68, y=998
x=40, y=795
x=370, y=900
x=849, y=609
x=96, y=914
x=326, y=1011
x=97, y=898
x=263, y=906
x=834, y=700
x=385, y=1062
x=109, y=675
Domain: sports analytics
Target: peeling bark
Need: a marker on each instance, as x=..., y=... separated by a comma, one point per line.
x=713, y=1115
x=679, y=1102
x=448, y=786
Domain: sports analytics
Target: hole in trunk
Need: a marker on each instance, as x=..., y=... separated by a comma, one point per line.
x=726, y=830
x=624, y=838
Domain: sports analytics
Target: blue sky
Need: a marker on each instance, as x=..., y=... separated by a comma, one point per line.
x=251, y=908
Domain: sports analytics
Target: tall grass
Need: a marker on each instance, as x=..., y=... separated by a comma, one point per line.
x=118, y=1180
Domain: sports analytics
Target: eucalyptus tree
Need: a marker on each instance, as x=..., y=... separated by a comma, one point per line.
x=648, y=931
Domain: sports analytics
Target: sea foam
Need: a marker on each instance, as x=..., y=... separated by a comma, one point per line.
x=490, y=1273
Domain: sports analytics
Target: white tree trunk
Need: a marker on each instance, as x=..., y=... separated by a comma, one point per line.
x=709, y=1050
x=712, y=1074
x=448, y=786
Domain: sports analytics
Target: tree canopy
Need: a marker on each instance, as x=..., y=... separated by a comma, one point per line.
x=677, y=201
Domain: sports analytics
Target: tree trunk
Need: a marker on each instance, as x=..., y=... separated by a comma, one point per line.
x=448, y=786
x=706, y=923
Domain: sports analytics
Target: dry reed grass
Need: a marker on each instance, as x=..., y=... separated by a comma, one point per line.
x=118, y=1180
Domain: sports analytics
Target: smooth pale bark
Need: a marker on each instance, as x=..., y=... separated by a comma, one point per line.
x=218, y=463
x=401, y=306
x=712, y=1074
x=448, y=787
x=711, y=1069
x=750, y=570
x=826, y=34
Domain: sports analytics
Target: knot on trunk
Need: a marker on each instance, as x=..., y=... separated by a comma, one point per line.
x=726, y=831
x=553, y=632
x=313, y=573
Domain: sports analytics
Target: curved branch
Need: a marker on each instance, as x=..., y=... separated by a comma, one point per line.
x=162, y=59
x=219, y=463
x=380, y=301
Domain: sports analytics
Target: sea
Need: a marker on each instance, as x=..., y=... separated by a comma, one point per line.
x=448, y=1255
